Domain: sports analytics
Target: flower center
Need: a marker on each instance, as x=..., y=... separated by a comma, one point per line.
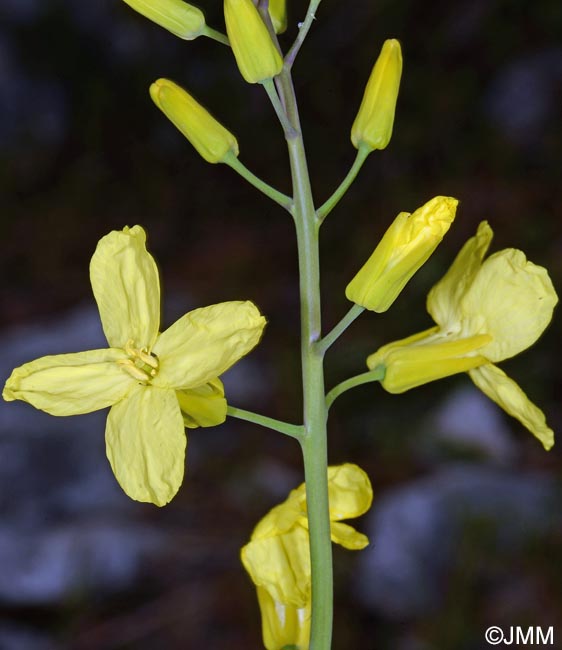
x=141, y=364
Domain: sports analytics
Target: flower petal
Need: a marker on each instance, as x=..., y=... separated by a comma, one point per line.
x=145, y=444
x=204, y=406
x=205, y=342
x=349, y=490
x=71, y=384
x=283, y=626
x=512, y=300
x=126, y=287
x=443, y=301
x=281, y=564
x=506, y=393
x=348, y=537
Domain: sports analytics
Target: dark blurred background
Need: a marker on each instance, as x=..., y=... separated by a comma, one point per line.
x=465, y=528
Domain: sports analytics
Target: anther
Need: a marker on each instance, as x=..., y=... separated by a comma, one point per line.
x=135, y=372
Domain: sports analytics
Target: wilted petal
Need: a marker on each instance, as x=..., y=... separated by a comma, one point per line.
x=71, y=384
x=511, y=299
x=443, y=301
x=281, y=564
x=281, y=518
x=204, y=406
x=126, y=287
x=205, y=342
x=283, y=626
x=349, y=490
x=348, y=537
x=145, y=443
x=506, y=393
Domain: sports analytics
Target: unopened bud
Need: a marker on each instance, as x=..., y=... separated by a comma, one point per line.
x=375, y=119
x=404, y=248
x=256, y=55
x=278, y=14
x=207, y=135
x=182, y=19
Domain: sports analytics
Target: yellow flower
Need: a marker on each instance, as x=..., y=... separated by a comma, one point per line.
x=278, y=14
x=278, y=559
x=485, y=311
x=209, y=137
x=182, y=19
x=404, y=248
x=256, y=55
x=151, y=380
x=375, y=119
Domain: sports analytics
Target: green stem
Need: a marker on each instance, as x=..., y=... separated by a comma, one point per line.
x=340, y=328
x=282, y=199
x=303, y=31
x=279, y=108
x=293, y=430
x=215, y=35
x=314, y=441
x=373, y=375
x=325, y=209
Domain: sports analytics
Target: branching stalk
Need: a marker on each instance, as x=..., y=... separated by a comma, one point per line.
x=325, y=209
x=293, y=430
x=373, y=375
x=282, y=199
x=340, y=328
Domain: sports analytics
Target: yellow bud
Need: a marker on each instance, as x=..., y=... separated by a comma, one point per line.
x=182, y=19
x=278, y=14
x=427, y=356
x=404, y=248
x=374, y=121
x=256, y=55
x=207, y=135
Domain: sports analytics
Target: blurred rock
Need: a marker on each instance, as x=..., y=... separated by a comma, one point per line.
x=416, y=530
x=16, y=637
x=468, y=424
x=47, y=567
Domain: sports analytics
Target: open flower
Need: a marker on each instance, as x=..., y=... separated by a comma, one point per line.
x=278, y=558
x=485, y=311
x=154, y=382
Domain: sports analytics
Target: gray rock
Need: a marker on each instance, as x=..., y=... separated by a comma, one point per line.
x=97, y=556
x=416, y=529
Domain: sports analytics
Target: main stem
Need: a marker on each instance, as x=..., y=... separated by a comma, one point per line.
x=314, y=439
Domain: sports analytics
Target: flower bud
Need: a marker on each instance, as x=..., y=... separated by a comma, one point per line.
x=207, y=135
x=374, y=121
x=404, y=248
x=182, y=19
x=256, y=55
x=278, y=14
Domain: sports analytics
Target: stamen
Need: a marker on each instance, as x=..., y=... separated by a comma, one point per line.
x=135, y=372
x=141, y=365
x=148, y=359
